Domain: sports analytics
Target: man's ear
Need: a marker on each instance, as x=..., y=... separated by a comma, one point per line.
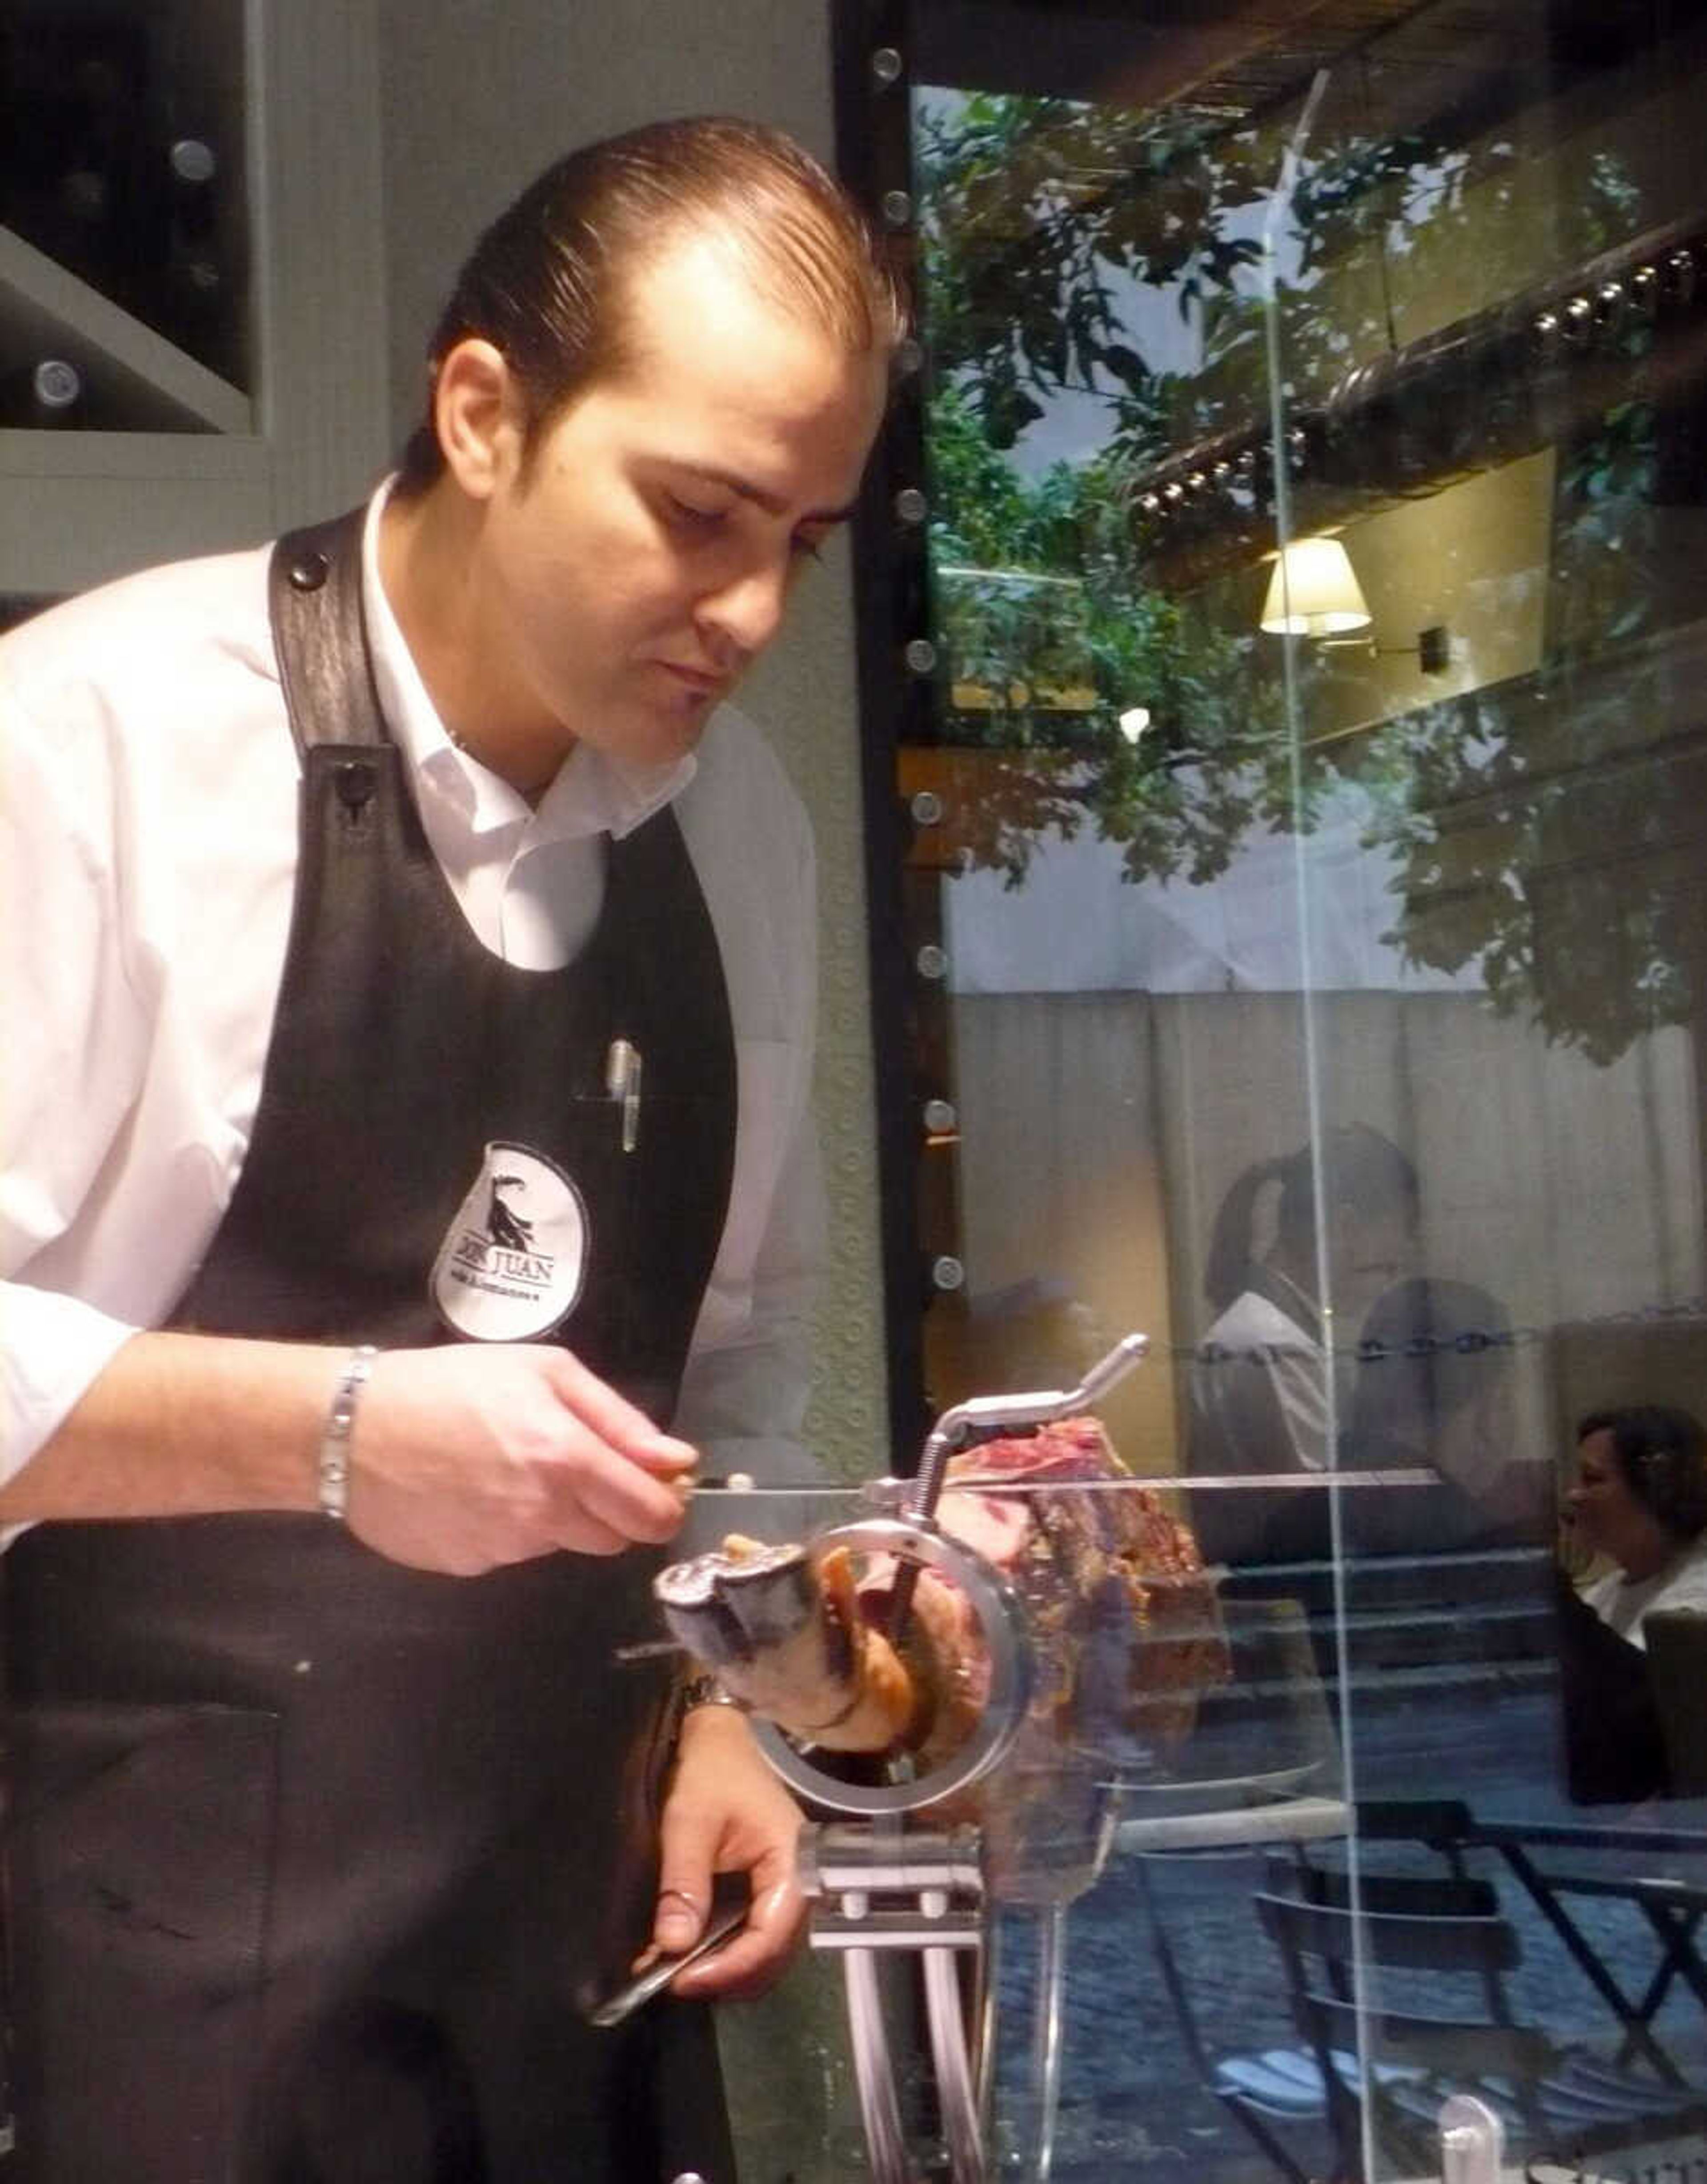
x=477, y=412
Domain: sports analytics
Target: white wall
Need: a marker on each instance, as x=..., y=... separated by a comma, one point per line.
x=475, y=101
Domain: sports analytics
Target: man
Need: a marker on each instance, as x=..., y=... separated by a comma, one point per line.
x=329, y=1789
x=1263, y=1376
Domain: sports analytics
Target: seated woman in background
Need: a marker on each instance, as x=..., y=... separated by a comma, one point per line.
x=1640, y=1500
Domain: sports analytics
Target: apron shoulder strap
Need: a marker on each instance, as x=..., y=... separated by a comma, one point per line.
x=319, y=634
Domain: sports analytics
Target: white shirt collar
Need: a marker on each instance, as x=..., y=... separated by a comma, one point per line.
x=591, y=793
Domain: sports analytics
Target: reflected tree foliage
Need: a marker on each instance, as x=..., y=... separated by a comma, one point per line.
x=1050, y=635
x=1531, y=824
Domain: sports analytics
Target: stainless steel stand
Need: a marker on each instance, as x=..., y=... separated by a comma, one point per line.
x=1472, y=2142
x=920, y=1891
x=1046, y=2036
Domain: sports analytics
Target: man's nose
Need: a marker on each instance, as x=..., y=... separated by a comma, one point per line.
x=747, y=612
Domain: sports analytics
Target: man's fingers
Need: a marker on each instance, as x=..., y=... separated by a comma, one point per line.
x=684, y=1896
x=747, y=1963
x=623, y=1498
x=614, y=1420
x=483, y=1456
x=582, y=1534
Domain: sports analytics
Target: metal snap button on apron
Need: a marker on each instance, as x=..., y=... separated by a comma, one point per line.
x=355, y=781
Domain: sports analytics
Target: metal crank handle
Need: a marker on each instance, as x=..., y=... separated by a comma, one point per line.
x=725, y=1918
x=1030, y=1407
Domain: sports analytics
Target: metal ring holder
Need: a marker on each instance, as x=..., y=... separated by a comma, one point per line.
x=1001, y=1624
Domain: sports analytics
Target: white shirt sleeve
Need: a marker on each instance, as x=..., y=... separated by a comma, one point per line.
x=744, y=1399
x=744, y=1393
x=76, y=1028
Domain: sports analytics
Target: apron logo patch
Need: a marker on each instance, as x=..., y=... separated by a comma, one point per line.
x=514, y=1259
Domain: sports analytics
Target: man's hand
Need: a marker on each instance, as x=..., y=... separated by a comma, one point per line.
x=726, y=1813
x=462, y=1458
x=475, y=1455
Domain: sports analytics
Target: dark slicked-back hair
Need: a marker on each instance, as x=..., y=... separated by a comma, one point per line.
x=1362, y=1169
x=548, y=281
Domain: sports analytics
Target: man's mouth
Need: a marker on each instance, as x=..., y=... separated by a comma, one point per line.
x=705, y=680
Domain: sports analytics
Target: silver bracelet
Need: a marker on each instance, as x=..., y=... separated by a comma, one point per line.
x=705, y=1691
x=340, y=1424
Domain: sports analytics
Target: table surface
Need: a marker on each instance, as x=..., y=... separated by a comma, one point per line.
x=1287, y=1819
x=1631, y=1832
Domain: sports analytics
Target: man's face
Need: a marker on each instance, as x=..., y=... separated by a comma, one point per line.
x=631, y=568
x=1369, y=1248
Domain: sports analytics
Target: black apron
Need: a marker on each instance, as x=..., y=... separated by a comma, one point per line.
x=311, y=1853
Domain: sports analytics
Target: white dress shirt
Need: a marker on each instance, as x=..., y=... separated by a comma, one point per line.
x=1233, y=1389
x=147, y=863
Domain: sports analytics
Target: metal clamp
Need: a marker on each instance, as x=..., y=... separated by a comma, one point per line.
x=982, y=1414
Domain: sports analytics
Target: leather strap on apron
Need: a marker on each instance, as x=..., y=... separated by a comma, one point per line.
x=313, y=1851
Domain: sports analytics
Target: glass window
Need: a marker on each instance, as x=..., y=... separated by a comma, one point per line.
x=1289, y=679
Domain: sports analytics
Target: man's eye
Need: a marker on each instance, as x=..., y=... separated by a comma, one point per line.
x=686, y=517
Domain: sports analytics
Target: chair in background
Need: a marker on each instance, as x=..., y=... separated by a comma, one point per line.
x=1432, y=1954
x=1677, y=1642
x=1279, y=2094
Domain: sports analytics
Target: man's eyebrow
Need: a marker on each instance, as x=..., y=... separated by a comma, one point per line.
x=767, y=501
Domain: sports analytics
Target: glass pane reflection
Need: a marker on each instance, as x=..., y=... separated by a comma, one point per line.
x=1325, y=1004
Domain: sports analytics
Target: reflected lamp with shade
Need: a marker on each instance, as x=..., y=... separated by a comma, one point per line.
x=1314, y=592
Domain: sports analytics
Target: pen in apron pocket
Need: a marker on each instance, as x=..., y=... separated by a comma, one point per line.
x=623, y=1082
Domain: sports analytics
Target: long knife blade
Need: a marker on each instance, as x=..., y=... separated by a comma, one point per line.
x=1158, y=1482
